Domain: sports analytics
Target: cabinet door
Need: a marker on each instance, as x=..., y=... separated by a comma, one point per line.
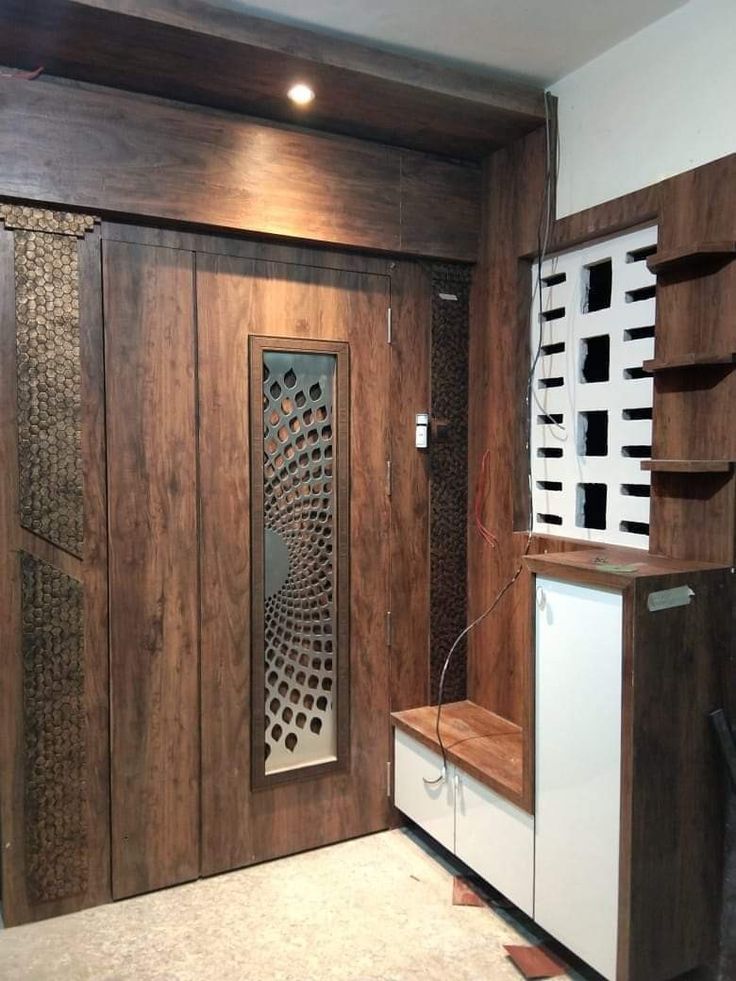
x=431, y=805
x=578, y=753
x=496, y=839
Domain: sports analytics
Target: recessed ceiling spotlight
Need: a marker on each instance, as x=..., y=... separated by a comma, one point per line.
x=301, y=94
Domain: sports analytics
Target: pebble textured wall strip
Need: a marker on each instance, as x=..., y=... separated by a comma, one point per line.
x=54, y=728
x=449, y=475
x=48, y=382
x=19, y=216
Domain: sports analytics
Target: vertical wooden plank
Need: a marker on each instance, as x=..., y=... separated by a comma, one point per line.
x=236, y=298
x=94, y=568
x=676, y=776
x=152, y=476
x=410, y=384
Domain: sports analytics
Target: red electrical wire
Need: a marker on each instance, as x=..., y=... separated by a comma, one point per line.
x=482, y=486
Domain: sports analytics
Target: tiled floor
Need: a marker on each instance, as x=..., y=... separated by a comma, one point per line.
x=373, y=909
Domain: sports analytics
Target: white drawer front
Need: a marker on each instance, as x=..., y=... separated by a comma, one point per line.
x=496, y=839
x=431, y=806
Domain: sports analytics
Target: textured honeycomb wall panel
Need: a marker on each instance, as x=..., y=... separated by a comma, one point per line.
x=49, y=392
x=449, y=474
x=21, y=216
x=54, y=727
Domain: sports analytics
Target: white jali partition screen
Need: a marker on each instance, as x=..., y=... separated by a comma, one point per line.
x=591, y=406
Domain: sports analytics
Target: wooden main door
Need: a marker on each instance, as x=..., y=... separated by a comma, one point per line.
x=293, y=446
x=249, y=511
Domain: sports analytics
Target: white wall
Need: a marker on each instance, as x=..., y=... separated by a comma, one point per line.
x=659, y=103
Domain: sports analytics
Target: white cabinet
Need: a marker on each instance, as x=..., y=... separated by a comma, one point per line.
x=578, y=766
x=496, y=839
x=431, y=805
x=492, y=836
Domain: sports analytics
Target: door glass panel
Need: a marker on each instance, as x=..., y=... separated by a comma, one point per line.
x=297, y=560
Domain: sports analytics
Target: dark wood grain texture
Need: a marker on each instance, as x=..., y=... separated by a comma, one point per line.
x=706, y=359
x=195, y=52
x=610, y=566
x=688, y=466
x=410, y=300
x=481, y=743
x=691, y=256
x=692, y=515
x=672, y=782
x=237, y=298
x=696, y=290
x=410, y=386
x=129, y=154
x=91, y=571
x=151, y=418
x=675, y=776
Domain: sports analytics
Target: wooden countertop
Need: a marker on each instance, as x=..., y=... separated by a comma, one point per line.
x=481, y=743
x=611, y=566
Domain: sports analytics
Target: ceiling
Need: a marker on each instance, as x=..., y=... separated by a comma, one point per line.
x=538, y=41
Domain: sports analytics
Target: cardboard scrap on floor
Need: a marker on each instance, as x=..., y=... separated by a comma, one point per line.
x=536, y=962
x=464, y=893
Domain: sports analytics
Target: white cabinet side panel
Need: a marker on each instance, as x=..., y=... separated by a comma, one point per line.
x=578, y=766
x=432, y=806
x=496, y=839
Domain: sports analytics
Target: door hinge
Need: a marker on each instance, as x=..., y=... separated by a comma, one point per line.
x=388, y=779
x=389, y=326
x=388, y=628
x=389, y=479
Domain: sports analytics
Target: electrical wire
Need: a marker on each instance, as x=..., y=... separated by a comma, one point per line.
x=482, y=486
x=544, y=230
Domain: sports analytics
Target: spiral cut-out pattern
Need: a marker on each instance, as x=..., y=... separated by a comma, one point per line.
x=299, y=558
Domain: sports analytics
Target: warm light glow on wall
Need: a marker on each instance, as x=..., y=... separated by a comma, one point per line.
x=301, y=94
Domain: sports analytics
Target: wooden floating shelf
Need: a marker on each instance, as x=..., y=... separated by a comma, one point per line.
x=483, y=744
x=689, y=361
x=698, y=254
x=688, y=466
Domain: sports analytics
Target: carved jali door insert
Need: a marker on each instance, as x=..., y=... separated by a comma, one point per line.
x=299, y=434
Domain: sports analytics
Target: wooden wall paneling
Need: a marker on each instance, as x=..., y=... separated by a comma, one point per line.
x=410, y=393
x=499, y=676
x=410, y=301
x=151, y=418
x=439, y=206
x=84, y=867
x=237, y=297
x=695, y=515
x=95, y=568
x=196, y=52
x=129, y=154
x=676, y=778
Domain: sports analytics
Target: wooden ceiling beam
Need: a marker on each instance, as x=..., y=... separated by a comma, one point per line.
x=195, y=52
